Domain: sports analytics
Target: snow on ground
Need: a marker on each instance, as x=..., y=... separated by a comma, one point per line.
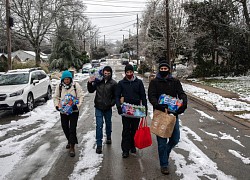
x=198, y=164
x=89, y=162
x=221, y=103
x=13, y=149
x=238, y=155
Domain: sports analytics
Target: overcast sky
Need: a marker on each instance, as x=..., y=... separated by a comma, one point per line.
x=113, y=15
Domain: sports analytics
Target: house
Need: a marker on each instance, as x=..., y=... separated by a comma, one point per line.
x=3, y=57
x=25, y=56
x=3, y=62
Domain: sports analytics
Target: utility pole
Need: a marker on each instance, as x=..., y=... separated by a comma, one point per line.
x=167, y=34
x=104, y=41
x=8, y=34
x=84, y=44
x=137, y=40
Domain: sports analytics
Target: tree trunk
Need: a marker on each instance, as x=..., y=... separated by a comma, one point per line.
x=38, y=60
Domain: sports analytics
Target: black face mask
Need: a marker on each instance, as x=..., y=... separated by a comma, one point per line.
x=164, y=73
x=107, y=77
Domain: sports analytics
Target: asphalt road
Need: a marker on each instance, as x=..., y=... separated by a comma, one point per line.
x=145, y=164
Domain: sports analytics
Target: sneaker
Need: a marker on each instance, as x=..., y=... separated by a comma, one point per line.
x=133, y=150
x=108, y=141
x=125, y=154
x=165, y=170
x=98, y=150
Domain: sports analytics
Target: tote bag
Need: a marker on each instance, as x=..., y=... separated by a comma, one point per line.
x=142, y=136
x=162, y=124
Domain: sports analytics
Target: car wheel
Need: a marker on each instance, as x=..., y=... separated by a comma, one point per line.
x=30, y=102
x=49, y=94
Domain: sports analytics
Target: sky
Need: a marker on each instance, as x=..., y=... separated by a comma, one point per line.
x=14, y=148
x=111, y=16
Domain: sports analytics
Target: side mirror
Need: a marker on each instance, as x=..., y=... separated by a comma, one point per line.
x=35, y=81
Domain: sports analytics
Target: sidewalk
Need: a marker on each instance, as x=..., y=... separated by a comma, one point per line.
x=221, y=92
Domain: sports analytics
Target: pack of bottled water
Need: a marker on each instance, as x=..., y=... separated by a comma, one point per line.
x=67, y=104
x=172, y=102
x=133, y=111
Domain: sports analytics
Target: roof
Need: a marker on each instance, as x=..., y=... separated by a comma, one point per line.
x=32, y=53
x=24, y=70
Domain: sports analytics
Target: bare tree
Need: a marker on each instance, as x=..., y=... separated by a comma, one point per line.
x=35, y=19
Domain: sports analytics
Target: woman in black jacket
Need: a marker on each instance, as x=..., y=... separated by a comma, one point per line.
x=164, y=83
x=132, y=90
x=104, y=100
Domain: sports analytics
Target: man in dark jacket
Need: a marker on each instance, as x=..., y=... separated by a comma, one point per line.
x=132, y=91
x=104, y=100
x=164, y=83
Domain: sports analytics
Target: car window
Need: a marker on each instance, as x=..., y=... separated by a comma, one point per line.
x=14, y=79
x=41, y=75
x=34, y=76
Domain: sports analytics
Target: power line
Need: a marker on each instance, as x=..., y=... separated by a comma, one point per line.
x=116, y=30
x=112, y=12
x=107, y=17
x=116, y=24
x=115, y=1
x=110, y=5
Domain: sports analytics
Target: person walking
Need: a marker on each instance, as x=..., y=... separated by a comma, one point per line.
x=104, y=100
x=132, y=91
x=164, y=83
x=68, y=120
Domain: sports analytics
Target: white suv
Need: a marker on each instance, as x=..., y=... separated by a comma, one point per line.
x=19, y=89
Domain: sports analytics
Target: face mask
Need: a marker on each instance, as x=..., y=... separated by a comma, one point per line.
x=164, y=73
x=130, y=76
x=107, y=77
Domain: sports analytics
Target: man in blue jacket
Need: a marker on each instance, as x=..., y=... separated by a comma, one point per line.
x=132, y=91
x=104, y=100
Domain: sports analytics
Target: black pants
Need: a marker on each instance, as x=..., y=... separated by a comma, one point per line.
x=130, y=125
x=69, y=124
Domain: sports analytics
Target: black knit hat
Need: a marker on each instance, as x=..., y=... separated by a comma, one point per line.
x=107, y=68
x=129, y=67
x=164, y=63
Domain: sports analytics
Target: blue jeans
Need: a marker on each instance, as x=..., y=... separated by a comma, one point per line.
x=165, y=145
x=99, y=114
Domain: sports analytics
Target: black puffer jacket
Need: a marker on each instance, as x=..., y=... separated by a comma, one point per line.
x=132, y=91
x=105, y=93
x=169, y=86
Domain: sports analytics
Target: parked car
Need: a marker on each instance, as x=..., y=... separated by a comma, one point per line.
x=103, y=62
x=1, y=73
x=21, y=88
x=125, y=61
x=86, y=67
x=95, y=63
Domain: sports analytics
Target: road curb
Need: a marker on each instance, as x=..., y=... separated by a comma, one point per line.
x=202, y=102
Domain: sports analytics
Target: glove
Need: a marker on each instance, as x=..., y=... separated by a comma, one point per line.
x=119, y=110
x=181, y=109
x=161, y=107
x=57, y=108
x=74, y=108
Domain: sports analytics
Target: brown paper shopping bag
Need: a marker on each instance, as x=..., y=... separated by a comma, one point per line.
x=162, y=124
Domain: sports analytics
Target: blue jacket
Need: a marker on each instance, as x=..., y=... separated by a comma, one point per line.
x=132, y=91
